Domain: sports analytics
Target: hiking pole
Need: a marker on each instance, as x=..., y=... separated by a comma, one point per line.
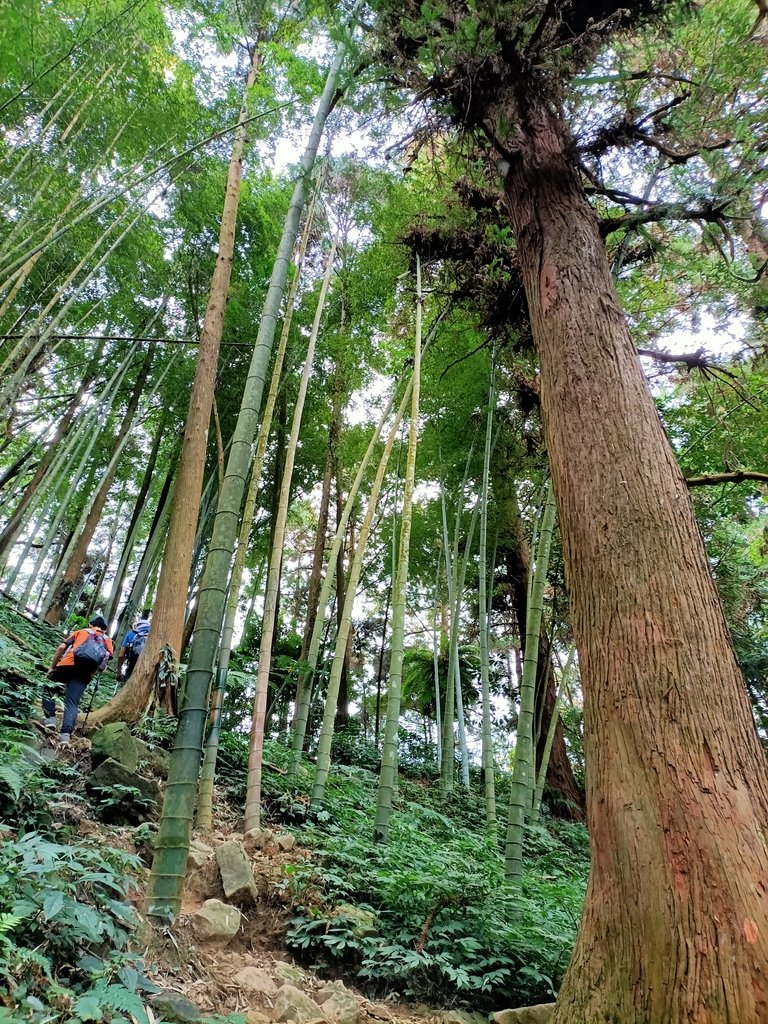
x=97, y=677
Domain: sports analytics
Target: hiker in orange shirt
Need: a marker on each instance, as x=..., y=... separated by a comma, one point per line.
x=77, y=659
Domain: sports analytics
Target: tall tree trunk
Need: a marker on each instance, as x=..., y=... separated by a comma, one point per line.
x=436, y=618
x=334, y=678
x=318, y=554
x=388, y=773
x=342, y=700
x=69, y=474
x=568, y=800
x=204, y=813
x=673, y=927
x=554, y=721
x=304, y=688
x=148, y=561
x=171, y=600
x=172, y=849
x=380, y=668
x=14, y=524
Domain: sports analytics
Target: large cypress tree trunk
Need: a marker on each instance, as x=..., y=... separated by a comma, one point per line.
x=674, y=925
x=172, y=589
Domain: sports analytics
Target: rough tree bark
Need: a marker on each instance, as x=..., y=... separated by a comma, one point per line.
x=171, y=600
x=677, y=792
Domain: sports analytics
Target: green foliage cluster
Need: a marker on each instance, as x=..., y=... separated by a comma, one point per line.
x=444, y=924
x=65, y=929
x=121, y=805
x=439, y=922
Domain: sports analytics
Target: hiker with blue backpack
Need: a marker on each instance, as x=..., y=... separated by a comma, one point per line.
x=133, y=645
x=77, y=659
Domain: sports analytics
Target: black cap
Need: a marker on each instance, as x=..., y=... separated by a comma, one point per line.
x=98, y=622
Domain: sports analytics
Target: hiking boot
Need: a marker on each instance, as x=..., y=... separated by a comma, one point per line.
x=49, y=723
x=64, y=738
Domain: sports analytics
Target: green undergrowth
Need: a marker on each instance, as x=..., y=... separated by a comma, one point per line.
x=427, y=917
x=65, y=933
x=430, y=915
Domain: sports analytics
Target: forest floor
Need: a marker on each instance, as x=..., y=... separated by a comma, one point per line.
x=424, y=929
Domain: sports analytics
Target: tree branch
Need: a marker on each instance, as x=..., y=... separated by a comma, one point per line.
x=708, y=212
x=735, y=477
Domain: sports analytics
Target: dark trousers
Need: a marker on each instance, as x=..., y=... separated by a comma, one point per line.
x=74, y=688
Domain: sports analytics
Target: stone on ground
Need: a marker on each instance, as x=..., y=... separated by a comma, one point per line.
x=288, y=972
x=115, y=741
x=199, y=854
x=236, y=873
x=539, y=1014
x=175, y=1007
x=216, y=921
x=330, y=988
x=256, y=981
x=364, y=922
x=257, y=839
x=285, y=841
x=257, y=1017
x=293, y=1004
x=158, y=759
x=463, y=1017
x=340, y=1006
x=111, y=773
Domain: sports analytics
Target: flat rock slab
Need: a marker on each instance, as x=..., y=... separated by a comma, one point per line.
x=258, y=839
x=115, y=741
x=342, y=1008
x=216, y=922
x=175, y=1007
x=291, y=1004
x=463, y=1017
x=111, y=773
x=539, y=1014
x=256, y=981
x=256, y=1017
x=236, y=873
x=199, y=853
x=288, y=972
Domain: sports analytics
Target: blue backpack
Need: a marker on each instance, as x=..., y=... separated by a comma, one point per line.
x=141, y=631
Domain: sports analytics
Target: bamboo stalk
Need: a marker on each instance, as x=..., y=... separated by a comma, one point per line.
x=488, y=760
x=388, y=774
x=256, y=750
x=520, y=789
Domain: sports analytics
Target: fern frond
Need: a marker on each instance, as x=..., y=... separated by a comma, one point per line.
x=12, y=779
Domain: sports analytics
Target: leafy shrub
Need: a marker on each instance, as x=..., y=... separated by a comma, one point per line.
x=31, y=788
x=158, y=729
x=64, y=933
x=448, y=928
x=121, y=805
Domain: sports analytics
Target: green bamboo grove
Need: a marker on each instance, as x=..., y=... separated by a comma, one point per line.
x=420, y=403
